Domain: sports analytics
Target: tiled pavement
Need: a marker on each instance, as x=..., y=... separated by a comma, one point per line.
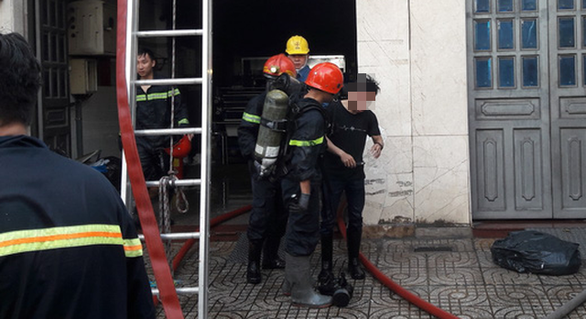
x=455, y=274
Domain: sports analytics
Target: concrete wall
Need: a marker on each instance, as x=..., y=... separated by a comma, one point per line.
x=13, y=16
x=417, y=51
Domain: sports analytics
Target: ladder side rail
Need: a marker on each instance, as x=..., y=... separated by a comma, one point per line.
x=205, y=158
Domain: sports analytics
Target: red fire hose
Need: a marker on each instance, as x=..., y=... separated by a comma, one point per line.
x=143, y=203
x=405, y=294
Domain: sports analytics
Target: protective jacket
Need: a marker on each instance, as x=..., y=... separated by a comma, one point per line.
x=249, y=125
x=68, y=247
x=153, y=111
x=306, y=140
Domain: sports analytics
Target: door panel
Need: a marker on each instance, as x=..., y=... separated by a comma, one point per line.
x=509, y=109
x=568, y=111
x=56, y=122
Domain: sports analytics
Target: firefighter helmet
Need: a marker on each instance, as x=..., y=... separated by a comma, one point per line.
x=297, y=45
x=279, y=64
x=182, y=148
x=326, y=77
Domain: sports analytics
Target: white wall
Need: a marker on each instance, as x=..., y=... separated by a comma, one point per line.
x=417, y=51
x=13, y=16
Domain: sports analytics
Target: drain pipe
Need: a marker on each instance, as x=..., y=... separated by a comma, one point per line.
x=568, y=307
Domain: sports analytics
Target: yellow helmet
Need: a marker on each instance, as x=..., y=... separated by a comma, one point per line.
x=297, y=45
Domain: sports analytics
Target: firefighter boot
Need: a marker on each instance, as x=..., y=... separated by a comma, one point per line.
x=354, y=267
x=297, y=272
x=253, y=270
x=327, y=243
x=270, y=255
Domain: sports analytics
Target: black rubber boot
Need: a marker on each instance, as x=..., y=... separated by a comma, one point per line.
x=253, y=270
x=270, y=255
x=327, y=247
x=298, y=274
x=354, y=267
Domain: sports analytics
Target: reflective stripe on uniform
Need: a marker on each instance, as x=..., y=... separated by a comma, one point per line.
x=132, y=247
x=251, y=118
x=156, y=96
x=183, y=121
x=315, y=142
x=22, y=241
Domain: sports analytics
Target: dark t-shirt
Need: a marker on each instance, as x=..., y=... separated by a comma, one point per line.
x=349, y=132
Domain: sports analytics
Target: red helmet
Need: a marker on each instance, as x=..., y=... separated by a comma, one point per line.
x=279, y=64
x=326, y=77
x=182, y=148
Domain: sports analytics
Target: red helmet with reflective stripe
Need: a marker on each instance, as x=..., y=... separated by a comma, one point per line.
x=279, y=64
x=182, y=148
x=326, y=77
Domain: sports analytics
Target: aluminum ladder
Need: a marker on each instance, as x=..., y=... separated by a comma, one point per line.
x=132, y=36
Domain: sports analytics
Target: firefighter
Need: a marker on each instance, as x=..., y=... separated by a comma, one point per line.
x=268, y=217
x=153, y=111
x=68, y=247
x=298, y=50
x=302, y=182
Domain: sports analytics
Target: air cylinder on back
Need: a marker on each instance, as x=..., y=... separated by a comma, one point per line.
x=269, y=137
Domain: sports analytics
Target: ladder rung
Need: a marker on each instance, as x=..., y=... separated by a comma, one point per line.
x=180, y=81
x=169, y=33
x=168, y=131
x=180, y=182
x=180, y=290
x=176, y=236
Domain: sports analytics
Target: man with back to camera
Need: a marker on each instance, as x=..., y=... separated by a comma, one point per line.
x=352, y=122
x=302, y=182
x=268, y=217
x=298, y=50
x=68, y=247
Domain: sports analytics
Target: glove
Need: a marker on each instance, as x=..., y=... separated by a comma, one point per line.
x=299, y=204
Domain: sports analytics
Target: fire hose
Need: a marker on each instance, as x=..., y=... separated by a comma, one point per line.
x=389, y=283
x=154, y=244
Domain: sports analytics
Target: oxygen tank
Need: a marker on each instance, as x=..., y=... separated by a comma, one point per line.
x=269, y=137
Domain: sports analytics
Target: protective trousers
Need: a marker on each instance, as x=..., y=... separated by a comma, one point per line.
x=302, y=228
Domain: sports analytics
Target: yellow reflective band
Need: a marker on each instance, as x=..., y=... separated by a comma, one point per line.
x=21, y=241
x=184, y=121
x=251, y=118
x=140, y=98
x=132, y=247
x=170, y=93
x=315, y=142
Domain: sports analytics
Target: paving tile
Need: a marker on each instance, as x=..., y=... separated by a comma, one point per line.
x=502, y=276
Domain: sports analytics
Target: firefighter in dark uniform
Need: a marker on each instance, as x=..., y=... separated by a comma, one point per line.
x=302, y=182
x=268, y=217
x=68, y=247
x=153, y=111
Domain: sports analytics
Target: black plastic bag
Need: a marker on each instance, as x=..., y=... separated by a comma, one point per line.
x=530, y=251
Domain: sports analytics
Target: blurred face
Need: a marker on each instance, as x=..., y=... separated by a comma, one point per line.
x=299, y=60
x=144, y=66
x=360, y=101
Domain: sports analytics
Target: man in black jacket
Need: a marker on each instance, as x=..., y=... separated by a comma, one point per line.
x=153, y=111
x=68, y=247
x=302, y=182
x=268, y=217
